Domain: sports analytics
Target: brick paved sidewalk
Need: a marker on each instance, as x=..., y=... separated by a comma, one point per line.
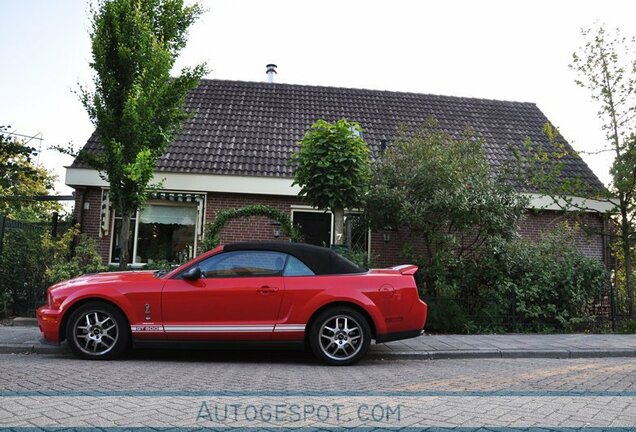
x=27, y=339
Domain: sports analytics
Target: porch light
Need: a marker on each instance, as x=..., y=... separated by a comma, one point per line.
x=276, y=226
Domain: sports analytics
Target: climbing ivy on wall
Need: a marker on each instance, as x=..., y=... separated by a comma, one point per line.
x=223, y=217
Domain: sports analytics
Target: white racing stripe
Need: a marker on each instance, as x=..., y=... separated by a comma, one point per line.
x=220, y=328
x=278, y=328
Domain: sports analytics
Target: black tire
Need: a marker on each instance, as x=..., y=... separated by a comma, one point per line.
x=344, y=346
x=97, y=331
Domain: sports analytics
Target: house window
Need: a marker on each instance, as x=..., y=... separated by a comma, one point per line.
x=116, y=247
x=357, y=226
x=166, y=233
x=314, y=226
x=161, y=231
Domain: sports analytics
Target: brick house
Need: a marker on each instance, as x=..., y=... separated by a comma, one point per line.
x=235, y=151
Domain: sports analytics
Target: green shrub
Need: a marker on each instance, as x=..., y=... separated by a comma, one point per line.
x=359, y=258
x=32, y=260
x=160, y=265
x=22, y=269
x=516, y=285
x=552, y=285
x=628, y=326
x=86, y=258
x=445, y=315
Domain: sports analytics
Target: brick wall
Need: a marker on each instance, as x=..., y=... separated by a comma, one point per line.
x=252, y=228
x=389, y=253
x=385, y=254
x=90, y=218
x=588, y=239
x=533, y=225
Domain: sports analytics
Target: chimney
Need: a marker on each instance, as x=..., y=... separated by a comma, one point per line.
x=271, y=70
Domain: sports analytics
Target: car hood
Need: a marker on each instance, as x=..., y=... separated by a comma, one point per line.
x=104, y=278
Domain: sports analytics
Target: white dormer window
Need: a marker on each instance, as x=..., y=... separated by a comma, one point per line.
x=356, y=132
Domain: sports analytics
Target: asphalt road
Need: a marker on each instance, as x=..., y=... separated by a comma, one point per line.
x=282, y=390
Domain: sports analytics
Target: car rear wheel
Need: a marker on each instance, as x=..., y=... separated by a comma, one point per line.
x=340, y=336
x=97, y=330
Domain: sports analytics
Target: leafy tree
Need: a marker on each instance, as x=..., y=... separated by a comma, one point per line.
x=136, y=107
x=333, y=168
x=21, y=180
x=440, y=189
x=606, y=67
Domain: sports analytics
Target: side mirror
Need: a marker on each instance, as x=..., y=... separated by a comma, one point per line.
x=193, y=273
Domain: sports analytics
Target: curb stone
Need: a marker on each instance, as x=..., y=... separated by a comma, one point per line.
x=25, y=322
x=465, y=354
x=506, y=354
x=535, y=353
x=27, y=340
x=17, y=349
x=39, y=348
x=402, y=355
x=29, y=349
x=602, y=353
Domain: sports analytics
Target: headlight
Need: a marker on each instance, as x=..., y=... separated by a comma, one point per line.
x=55, y=302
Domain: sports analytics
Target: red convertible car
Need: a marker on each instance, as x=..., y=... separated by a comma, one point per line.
x=258, y=292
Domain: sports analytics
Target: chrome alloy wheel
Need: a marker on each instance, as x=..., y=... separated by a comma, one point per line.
x=96, y=333
x=341, y=337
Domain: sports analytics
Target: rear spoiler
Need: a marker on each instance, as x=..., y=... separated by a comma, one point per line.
x=406, y=269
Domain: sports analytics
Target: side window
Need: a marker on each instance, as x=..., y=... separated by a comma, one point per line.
x=243, y=264
x=296, y=267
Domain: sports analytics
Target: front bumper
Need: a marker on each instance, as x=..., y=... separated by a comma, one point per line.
x=49, y=321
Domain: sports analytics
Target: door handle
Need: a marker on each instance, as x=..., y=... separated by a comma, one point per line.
x=266, y=289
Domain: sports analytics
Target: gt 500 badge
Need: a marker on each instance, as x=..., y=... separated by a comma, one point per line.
x=147, y=328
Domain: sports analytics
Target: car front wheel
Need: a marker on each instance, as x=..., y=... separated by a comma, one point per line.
x=97, y=331
x=340, y=336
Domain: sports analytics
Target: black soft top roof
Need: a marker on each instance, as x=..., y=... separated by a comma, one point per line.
x=321, y=260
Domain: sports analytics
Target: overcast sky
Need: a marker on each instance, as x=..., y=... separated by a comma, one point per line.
x=510, y=50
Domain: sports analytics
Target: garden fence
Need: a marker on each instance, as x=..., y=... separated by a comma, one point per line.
x=22, y=266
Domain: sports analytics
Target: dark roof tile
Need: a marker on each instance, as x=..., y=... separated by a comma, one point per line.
x=251, y=128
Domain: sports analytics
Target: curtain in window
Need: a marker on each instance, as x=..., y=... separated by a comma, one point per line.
x=168, y=215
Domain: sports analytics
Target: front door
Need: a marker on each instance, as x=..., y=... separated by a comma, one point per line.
x=315, y=227
x=237, y=298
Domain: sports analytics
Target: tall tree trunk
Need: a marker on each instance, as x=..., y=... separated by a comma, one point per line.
x=627, y=256
x=338, y=216
x=124, y=235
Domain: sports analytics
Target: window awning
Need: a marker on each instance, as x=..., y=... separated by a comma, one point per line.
x=185, y=197
x=176, y=196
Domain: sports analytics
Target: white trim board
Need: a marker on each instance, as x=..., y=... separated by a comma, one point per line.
x=278, y=186
x=196, y=182
x=543, y=202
